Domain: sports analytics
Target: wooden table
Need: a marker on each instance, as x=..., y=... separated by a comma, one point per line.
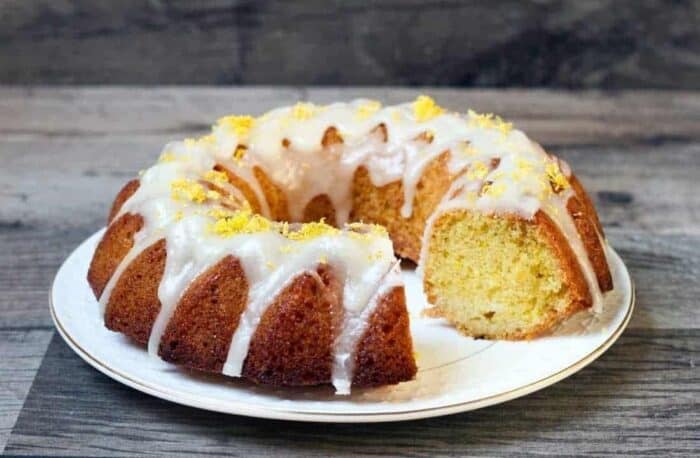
x=65, y=152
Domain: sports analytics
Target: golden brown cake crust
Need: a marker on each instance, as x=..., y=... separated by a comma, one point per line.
x=320, y=208
x=114, y=245
x=127, y=191
x=275, y=197
x=382, y=205
x=384, y=354
x=293, y=344
x=199, y=333
x=134, y=304
x=585, y=226
x=587, y=203
x=243, y=186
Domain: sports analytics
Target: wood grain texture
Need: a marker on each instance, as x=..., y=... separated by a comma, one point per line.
x=641, y=397
x=21, y=352
x=556, y=43
x=66, y=152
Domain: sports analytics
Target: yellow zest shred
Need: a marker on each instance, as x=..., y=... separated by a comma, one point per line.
x=477, y=171
x=425, y=108
x=303, y=111
x=494, y=189
x=313, y=230
x=241, y=222
x=206, y=140
x=183, y=189
x=368, y=109
x=219, y=213
x=216, y=177
x=167, y=156
x=240, y=153
x=239, y=125
x=556, y=177
x=489, y=121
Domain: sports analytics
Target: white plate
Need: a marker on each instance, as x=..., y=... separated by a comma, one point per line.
x=455, y=374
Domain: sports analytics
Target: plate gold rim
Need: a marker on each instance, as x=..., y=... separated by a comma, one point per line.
x=239, y=408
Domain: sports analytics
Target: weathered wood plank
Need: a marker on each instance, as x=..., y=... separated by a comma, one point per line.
x=21, y=354
x=550, y=117
x=640, y=397
x=508, y=43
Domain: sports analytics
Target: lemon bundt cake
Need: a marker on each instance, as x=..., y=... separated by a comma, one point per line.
x=265, y=250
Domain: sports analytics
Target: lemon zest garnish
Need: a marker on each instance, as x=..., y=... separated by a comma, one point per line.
x=241, y=222
x=219, y=213
x=425, y=108
x=313, y=230
x=239, y=154
x=323, y=259
x=368, y=230
x=489, y=121
x=190, y=142
x=494, y=189
x=376, y=256
x=179, y=215
x=216, y=177
x=477, y=171
x=167, y=156
x=239, y=125
x=287, y=249
x=206, y=140
x=467, y=149
x=368, y=109
x=556, y=177
x=183, y=189
x=270, y=265
x=303, y=111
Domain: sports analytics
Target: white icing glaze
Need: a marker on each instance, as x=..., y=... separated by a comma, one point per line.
x=353, y=327
x=358, y=273
x=286, y=144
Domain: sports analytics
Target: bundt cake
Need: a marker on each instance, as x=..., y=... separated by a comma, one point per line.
x=265, y=250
